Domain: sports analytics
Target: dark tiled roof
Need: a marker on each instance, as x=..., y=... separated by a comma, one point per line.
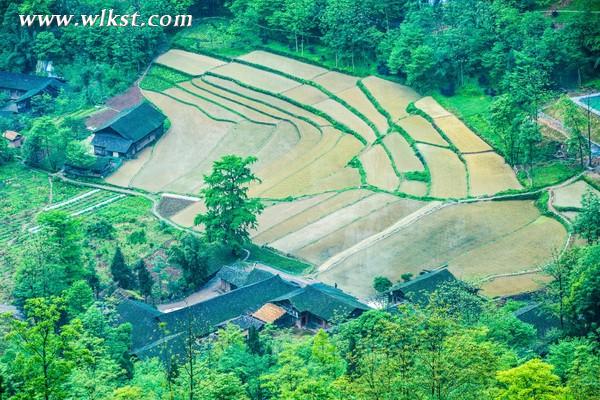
x=135, y=123
x=142, y=318
x=419, y=288
x=206, y=315
x=244, y=322
x=24, y=82
x=534, y=315
x=240, y=276
x=323, y=301
x=111, y=142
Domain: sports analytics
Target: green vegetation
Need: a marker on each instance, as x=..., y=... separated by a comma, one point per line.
x=273, y=258
x=160, y=78
x=547, y=175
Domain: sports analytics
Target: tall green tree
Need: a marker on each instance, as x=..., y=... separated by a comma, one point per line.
x=587, y=223
x=192, y=256
x=230, y=212
x=531, y=380
x=121, y=272
x=144, y=279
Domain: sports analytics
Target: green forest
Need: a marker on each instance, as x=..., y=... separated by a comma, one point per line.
x=497, y=64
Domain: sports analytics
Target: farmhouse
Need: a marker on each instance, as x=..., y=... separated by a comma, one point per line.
x=20, y=88
x=533, y=314
x=129, y=132
x=231, y=278
x=15, y=139
x=269, y=299
x=418, y=289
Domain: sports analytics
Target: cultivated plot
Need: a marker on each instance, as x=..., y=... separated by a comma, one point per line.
x=442, y=238
x=284, y=64
x=256, y=77
x=448, y=174
x=461, y=136
x=570, y=196
x=489, y=174
x=402, y=154
x=378, y=168
x=421, y=130
x=393, y=97
x=190, y=63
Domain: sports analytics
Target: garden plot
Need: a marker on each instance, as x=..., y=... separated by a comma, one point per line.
x=431, y=107
x=332, y=222
x=462, y=137
x=440, y=238
x=309, y=215
x=261, y=99
x=347, y=178
x=448, y=175
x=402, y=154
x=284, y=140
x=284, y=64
x=256, y=77
x=393, y=97
x=341, y=114
x=177, y=152
x=346, y=236
x=211, y=109
x=421, y=130
x=357, y=99
x=489, y=174
x=415, y=188
x=510, y=285
x=570, y=196
x=378, y=168
x=186, y=216
x=190, y=63
x=304, y=180
x=336, y=82
x=306, y=94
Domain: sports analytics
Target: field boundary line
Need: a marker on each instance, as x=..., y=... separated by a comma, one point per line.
x=70, y=201
x=368, y=242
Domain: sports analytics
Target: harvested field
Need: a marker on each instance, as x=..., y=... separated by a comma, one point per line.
x=421, y=130
x=348, y=235
x=211, y=109
x=309, y=215
x=442, y=237
x=169, y=206
x=448, y=175
x=284, y=64
x=127, y=171
x=465, y=140
x=283, y=140
x=256, y=77
x=510, y=285
x=289, y=108
x=190, y=63
x=332, y=222
x=378, y=168
x=243, y=139
x=489, y=174
x=431, y=107
x=249, y=113
x=415, y=188
x=357, y=99
x=402, y=154
x=525, y=248
x=393, y=97
x=570, y=196
x=306, y=94
x=279, y=212
x=296, y=184
x=336, y=81
x=347, y=178
x=341, y=114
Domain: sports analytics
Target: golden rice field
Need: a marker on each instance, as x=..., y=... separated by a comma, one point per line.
x=352, y=178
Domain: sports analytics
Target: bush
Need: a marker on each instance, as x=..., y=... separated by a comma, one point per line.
x=137, y=237
x=381, y=284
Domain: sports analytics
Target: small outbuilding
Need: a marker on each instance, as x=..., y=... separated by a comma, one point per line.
x=417, y=290
x=101, y=168
x=15, y=139
x=20, y=88
x=129, y=132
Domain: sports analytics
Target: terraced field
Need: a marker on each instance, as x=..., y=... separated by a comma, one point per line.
x=359, y=175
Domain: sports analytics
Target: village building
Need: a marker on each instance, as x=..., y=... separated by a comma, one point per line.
x=263, y=298
x=231, y=277
x=417, y=290
x=15, y=139
x=541, y=320
x=129, y=132
x=20, y=88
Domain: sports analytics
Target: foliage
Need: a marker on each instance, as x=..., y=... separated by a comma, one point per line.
x=230, y=213
x=78, y=155
x=381, y=284
x=588, y=220
x=144, y=279
x=192, y=256
x=121, y=272
x=532, y=380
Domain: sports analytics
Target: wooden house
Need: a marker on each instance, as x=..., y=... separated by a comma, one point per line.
x=15, y=139
x=129, y=132
x=417, y=290
x=18, y=89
